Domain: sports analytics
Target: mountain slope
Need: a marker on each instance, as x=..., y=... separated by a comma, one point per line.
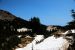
x=9, y=24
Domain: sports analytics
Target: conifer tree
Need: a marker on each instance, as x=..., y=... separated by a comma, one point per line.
x=73, y=13
x=71, y=25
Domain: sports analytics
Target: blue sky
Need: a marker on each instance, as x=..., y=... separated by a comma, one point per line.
x=50, y=12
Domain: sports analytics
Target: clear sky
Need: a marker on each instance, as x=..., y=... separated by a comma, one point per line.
x=50, y=12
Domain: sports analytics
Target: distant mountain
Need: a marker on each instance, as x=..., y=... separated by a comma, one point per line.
x=9, y=20
x=5, y=15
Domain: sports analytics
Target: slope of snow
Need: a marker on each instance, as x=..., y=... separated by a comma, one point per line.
x=39, y=38
x=50, y=43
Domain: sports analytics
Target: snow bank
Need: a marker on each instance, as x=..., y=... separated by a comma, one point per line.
x=23, y=29
x=50, y=43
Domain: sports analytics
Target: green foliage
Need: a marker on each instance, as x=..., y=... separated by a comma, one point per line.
x=35, y=20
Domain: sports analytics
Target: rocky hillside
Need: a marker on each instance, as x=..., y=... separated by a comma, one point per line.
x=9, y=26
x=19, y=32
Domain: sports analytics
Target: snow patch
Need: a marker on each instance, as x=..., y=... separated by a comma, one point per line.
x=50, y=43
x=23, y=29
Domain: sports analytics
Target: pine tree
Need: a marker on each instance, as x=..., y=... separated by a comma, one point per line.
x=73, y=13
x=71, y=25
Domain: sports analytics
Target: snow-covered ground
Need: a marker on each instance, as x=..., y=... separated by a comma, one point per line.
x=23, y=30
x=50, y=43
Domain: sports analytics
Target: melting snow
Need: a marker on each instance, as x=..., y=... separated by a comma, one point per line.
x=50, y=43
